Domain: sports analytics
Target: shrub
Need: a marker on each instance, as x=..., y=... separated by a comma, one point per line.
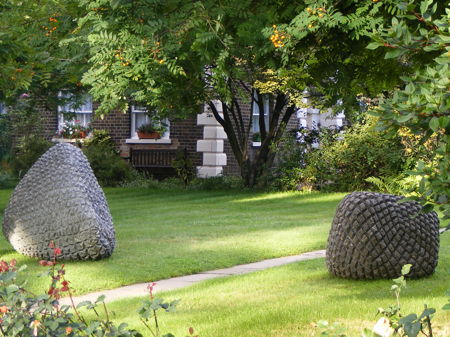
x=184, y=167
x=7, y=179
x=217, y=183
x=5, y=137
x=23, y=313
x=108, y=167
x=289, y=172
x=29, y=149
x=401, y=184
x=363, y=152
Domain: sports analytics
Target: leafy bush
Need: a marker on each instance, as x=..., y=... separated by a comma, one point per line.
x=184, y=167
x=401, y=184
x=29, y=149
x=23, y=313
x=7, y=179
x=217, y=183
x=5, y=137
x=174, y=183
x=363, y=152
x=108, y=167
x=289, y=172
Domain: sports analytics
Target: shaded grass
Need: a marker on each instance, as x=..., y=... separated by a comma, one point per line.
x=283, y=301
x=161, y=234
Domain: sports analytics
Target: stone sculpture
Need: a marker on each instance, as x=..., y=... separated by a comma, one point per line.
x=373, y=236
x=60, y=200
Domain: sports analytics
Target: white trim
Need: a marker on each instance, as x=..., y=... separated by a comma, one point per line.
x=148, y=141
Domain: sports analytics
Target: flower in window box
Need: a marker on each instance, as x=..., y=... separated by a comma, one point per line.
x=151, y=130
x=74, y=131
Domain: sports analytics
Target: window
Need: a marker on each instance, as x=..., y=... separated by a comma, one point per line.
x=79, y=113
x=139, y=117
x=2, y=108
x=255, y=112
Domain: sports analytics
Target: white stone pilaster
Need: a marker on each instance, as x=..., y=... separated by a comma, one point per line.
x=212, y=144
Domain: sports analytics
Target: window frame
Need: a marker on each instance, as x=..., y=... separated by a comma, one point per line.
x=78, y=112
x=256, y=113
x=135, y=109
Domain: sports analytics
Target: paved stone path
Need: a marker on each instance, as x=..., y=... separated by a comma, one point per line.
x=140, y=289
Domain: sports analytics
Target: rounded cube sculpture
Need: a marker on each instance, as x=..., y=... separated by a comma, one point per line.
x=373, y=236
x=60, y=200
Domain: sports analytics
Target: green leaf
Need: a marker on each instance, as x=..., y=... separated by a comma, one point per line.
x=406, y=269
x=115, y=3
x=393, y=53
x=412, y=329
x=434, y=124
x=424, y=6
x=407, y=319
x=373, y=45
x=101, y=298
x=12, y=289
x=84, y=304
x=427, y=312
x=405, y=118
x=53, y=325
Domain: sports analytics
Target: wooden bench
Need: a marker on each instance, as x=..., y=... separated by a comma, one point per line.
x=152, y=158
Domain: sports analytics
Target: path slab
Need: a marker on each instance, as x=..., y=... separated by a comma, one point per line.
x=140, y=289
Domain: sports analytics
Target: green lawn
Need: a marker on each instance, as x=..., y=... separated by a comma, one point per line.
x=161, y=234
x=283, y=301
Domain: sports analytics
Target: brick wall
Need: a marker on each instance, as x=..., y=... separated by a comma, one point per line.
x=186, y=133
x=117, y=124
x=183, y=133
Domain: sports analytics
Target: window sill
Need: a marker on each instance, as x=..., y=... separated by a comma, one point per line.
x=68, y=140
x=148, y=141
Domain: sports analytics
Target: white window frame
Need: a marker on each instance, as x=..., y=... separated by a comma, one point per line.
x=142, y=110
x=255, y=113
x=84, y=114
x=255, y=116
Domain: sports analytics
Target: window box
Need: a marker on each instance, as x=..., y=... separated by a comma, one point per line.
x=151, y=135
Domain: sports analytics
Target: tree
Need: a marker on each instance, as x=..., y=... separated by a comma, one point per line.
x=176, y=55
x=422, y=104
x=32, y=60
x=409, y=38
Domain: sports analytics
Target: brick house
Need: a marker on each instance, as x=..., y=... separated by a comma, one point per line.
x=201, y=137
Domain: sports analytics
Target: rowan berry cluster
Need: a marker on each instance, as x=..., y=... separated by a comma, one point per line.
x=316, y=12
x=50, y=29
x=277, y=37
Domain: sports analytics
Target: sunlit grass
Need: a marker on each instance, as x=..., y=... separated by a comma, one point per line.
x=284, y=301
x=161, y=234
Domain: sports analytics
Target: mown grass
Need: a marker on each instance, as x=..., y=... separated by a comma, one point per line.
x=161, y=234
x=284, y=301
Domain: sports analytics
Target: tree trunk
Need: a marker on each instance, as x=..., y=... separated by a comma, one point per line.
x=238, y=132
